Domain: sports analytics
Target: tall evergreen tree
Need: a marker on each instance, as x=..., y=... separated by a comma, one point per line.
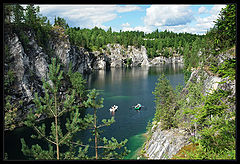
x=109, y=146
x=165, y=101
x=53, y=105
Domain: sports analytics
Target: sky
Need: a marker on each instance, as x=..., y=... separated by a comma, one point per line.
x=195, y=19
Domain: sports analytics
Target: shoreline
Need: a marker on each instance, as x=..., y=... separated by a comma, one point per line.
x=137, y=153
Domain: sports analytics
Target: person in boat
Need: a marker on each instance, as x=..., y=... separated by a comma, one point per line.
x=113, y=108
x=138, y=106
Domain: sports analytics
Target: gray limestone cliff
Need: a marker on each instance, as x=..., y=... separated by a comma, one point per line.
x=162, y=59
x=163, y=144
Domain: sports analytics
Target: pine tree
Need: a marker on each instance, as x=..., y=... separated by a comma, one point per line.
x=53, y=105
x=109, y=146
x=18, y=14
x=165, y=101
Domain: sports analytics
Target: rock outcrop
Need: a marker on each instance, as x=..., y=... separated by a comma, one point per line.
x=117, y=56
x=162, y=59
x=30, y=63
x=164, y=144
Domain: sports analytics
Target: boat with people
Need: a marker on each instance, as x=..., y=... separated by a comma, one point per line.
x=138, y=106
x=113, y=108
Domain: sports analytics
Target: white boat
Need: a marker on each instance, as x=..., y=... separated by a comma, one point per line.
x=113, y=108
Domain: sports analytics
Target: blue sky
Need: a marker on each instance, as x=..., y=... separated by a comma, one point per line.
x=196, y=19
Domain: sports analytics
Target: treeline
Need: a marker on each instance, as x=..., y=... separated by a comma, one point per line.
x=157, y=43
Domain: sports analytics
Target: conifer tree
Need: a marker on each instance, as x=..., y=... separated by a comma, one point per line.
x=109, y=146
x=164, y=100
x=53, y=105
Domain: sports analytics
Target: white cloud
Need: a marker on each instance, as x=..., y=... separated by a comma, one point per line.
x=206, y=21
x=168, y=15
x=203, y=24
x=179, y=18
x=86, y=15
x=182, y=29
x=125, y=24
x=122, y=9
x=176, y=18
x=202, y=10
x=216, y=9
x=145, y=29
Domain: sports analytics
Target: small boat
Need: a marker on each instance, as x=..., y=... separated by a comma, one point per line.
x=138, y=107
x=113, y=108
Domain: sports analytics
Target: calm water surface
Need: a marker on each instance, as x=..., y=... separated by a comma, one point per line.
x=124, y=87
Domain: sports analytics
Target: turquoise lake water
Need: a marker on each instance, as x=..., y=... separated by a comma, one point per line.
x=124, y=87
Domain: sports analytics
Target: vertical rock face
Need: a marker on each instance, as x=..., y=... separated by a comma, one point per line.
x=81, y=59
x=161, y=59
x=145, y=61
x=30, y=65
x=17, y=51
x=60, y=45
x=165, y=143
x=117, y=56
x=29, y=68
x=100, y=61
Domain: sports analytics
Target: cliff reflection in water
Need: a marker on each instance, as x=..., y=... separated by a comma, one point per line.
x=116, y=75
x=166, y=68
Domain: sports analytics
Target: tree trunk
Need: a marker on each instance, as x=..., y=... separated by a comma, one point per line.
x=95, y=128
x=57, y=138
x=56, y=125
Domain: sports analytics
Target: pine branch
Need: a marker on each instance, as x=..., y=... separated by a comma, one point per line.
x=43, y=135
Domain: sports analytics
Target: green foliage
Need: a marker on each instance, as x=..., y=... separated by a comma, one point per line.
x=96, y=38
x=60, y=22
x=78, y=83
x=28, y=19
x=166, y=53
x=186, y=74
x=61, y=142
x=225, y=69
x=109, y=147
x=92, y=101
x=10, y=113
x=165, y=101
x=223, y=35
x=11, y=107
x=9, y=79
x=210, y=118
x=24, y=39
x=129, y=62
x=53, y=105
x=155, y=42
x=226, y=26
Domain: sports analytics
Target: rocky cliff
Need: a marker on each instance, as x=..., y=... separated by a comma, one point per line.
x=164, y=144
x=118, y=55
x=162, y=59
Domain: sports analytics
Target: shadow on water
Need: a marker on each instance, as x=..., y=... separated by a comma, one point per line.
x=124, y=87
